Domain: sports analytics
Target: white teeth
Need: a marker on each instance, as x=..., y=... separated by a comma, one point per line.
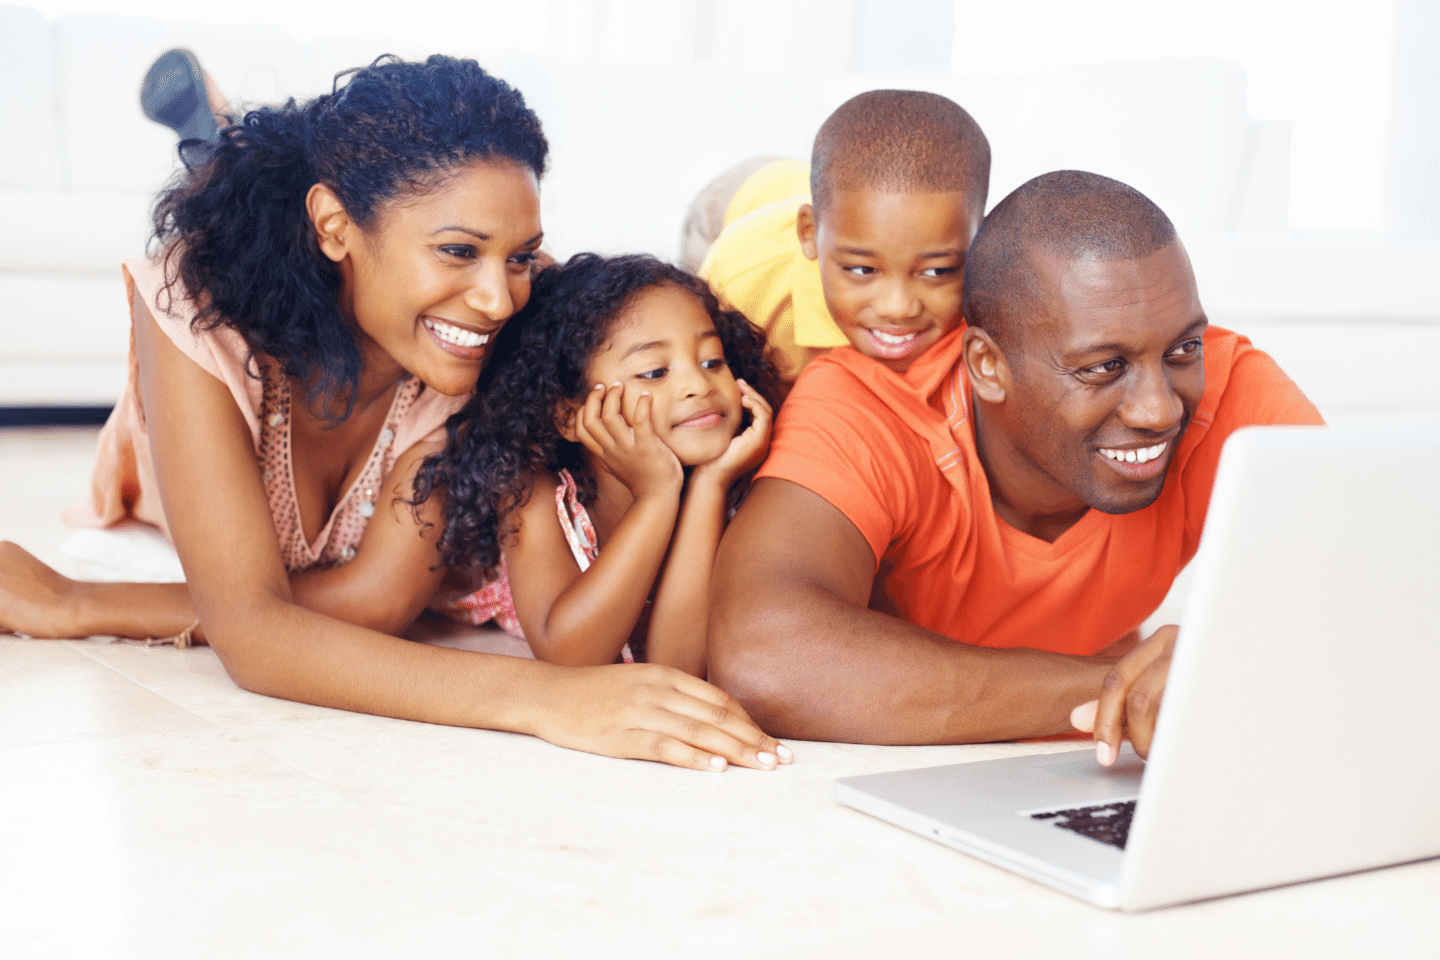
x=456, y=335
x=1143, y=455
x=895, y=341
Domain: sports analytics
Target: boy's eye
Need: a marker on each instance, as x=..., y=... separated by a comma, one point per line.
x=859, y=270
x=655, y=374
x=939, y=271
x=462, y=251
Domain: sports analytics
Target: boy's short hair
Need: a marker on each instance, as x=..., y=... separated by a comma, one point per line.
x=900, y=141
x=1076, y=214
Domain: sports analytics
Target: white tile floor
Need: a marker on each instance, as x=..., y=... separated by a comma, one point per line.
x=149, y=808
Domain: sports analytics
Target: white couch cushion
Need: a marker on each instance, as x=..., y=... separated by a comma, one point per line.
x=28, y=102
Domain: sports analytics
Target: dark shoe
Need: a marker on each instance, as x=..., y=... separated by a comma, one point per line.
x=173, y=93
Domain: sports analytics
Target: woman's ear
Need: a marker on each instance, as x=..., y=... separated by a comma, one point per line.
x=333, y=226
x=986, y=364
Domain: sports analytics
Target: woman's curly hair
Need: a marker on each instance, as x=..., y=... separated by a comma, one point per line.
x=235, y=230
x=508, y=431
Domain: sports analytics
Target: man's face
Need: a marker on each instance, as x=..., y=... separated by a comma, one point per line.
x=1105, y=378
x=891, y=265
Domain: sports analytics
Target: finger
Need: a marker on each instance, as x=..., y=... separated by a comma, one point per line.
x=1110, y=711
x=715, y=720
x=587, y=421
x=643, y=426
x=1142, y=705
x=612, y=411
x=1083, y=717
x=752, y=400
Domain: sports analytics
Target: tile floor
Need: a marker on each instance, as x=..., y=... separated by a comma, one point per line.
x=149, y=808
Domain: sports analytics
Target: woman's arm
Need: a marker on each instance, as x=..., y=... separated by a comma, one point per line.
x=219, y=517
x=678, y=621
x=395, y=572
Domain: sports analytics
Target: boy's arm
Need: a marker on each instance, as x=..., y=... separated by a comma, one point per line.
x=792, y=638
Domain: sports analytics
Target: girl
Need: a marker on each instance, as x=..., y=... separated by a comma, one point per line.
x=327, y=284
x=591, y=473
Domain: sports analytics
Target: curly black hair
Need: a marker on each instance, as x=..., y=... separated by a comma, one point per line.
x=235, y=231
x=508, y=430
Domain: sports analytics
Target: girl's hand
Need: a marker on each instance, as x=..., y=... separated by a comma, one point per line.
x=747, y=448
x=632, y=452
x=34, y=599
x=645, y=711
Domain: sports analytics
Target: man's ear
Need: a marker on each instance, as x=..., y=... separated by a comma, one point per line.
x=334, y=230
x=805, y=229
x=986, y=364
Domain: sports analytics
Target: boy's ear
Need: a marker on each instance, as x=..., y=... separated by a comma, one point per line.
x=332, y=224
x=805, y=227
x=986, y=364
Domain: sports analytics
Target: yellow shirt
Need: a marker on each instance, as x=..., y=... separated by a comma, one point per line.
x=757, y=268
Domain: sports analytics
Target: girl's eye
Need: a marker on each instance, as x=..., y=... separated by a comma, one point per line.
x=715, y=364
x=655, y=374
x=462, y=251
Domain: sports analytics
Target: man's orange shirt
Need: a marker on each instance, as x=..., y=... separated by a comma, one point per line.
x=896, y=454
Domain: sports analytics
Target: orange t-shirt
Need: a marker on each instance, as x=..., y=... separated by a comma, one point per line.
x=896, y=454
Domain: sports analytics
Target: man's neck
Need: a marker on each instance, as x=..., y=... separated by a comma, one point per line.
x=1024, y=499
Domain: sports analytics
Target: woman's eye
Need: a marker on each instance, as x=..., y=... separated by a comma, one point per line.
x=523, y=259
x=461, y=251
x=655, y=374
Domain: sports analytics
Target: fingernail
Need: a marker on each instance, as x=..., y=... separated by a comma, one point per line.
x=599, y=386
x=718, y=763
x=1104, y=753
x=644, y=393
x=766, y=758
x=785, y=753
x=615, y=384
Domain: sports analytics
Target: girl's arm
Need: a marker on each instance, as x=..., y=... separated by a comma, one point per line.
x=677, y=631
x=395, y=572
x=580, y=618
x=219, y=518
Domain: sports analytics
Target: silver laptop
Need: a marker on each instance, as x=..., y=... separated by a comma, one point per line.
x=1298, y=734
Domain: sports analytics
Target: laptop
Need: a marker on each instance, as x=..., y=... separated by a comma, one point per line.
x=1298, y=735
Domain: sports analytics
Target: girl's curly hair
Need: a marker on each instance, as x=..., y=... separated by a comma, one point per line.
x=508, y=430
x=235, y=231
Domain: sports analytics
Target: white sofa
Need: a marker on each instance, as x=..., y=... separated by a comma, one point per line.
x=631, y=144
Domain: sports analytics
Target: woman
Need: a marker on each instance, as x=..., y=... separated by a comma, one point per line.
x=327, y=282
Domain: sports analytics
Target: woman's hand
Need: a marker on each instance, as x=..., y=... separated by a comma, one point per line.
x=34, y=599
x=631, y=451
x=651, y=712
x=747, y=448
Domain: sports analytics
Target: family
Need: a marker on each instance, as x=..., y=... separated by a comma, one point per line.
x=893, y=471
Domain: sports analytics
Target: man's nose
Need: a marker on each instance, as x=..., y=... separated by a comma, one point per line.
x=1152, y=402
x=490, y=293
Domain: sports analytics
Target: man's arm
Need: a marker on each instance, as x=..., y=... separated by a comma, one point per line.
x=792, y=638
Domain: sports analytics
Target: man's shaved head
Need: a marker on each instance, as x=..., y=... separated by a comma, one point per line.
x=900, y=141
x=1078, y=215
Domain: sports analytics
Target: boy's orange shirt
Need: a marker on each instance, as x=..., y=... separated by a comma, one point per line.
x=896, y=454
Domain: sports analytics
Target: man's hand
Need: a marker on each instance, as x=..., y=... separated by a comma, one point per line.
x=1129, y=698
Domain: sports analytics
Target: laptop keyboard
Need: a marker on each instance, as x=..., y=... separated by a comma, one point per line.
x=1106, y=822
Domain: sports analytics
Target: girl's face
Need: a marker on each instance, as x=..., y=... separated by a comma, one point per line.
x=665, y=344
x=439, y=272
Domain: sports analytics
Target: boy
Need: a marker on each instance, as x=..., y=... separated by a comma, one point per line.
x=875, y=255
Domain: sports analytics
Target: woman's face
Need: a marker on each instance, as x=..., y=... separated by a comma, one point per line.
x=439, y=271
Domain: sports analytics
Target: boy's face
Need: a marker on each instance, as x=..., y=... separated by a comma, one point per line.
x=891, y=265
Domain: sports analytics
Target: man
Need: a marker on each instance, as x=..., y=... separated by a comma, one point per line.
x=1029, y=487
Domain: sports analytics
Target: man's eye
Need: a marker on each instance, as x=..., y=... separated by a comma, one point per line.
x=462, y=251
x=1188, y=350
x=1107, y=369
x=655, y=374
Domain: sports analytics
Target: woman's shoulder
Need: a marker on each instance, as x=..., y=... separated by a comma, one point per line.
x=220, y=351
